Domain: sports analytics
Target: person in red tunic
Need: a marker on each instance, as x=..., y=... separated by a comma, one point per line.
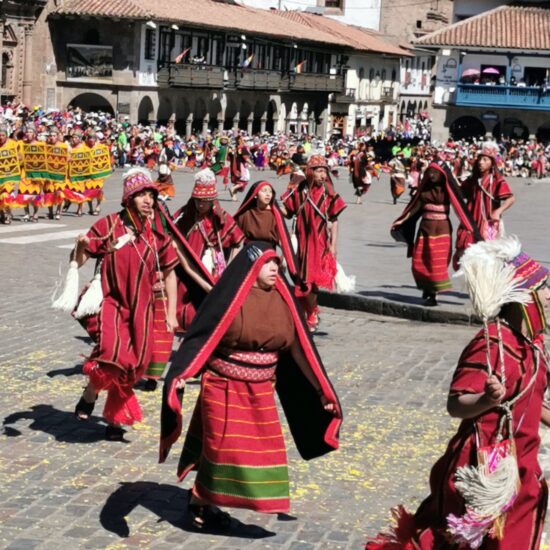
x=488, y=196
x=431, y=249
x=260, y=219
x=488, y=490
x=211, y=233
x=361, y=177
x=133, y=259
x=239, y=168
x=316, y=206
x=248, y=341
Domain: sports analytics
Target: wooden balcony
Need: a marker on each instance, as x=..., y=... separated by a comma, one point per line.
x=190, y=76
x=521, y=97
x=257, y=79
x=348, y=96
x=316, y=82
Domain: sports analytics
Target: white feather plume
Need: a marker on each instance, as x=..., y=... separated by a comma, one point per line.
x=489, y=277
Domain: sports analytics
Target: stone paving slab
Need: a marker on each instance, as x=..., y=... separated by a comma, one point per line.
x=63, y=486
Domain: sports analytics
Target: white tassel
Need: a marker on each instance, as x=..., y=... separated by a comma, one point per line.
x=343, y=282
x=489, y=494
x=207, y=260
x=69, y=297
x=90, y=303
x=294, y=242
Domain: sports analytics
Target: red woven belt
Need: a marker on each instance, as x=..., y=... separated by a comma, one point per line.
x=252, y=366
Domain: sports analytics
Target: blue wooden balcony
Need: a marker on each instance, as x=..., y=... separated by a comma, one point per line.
x=520, y=97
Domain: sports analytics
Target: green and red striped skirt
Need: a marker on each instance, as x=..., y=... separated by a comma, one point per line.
x=430, y=263
x=162, y=339
x=235, y=440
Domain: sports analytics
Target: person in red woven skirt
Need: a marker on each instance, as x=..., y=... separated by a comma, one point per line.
x=488, y=196
x=316, y=206
x=432, y=248
x=136, y=259
x=488, y=491
x=248, y=341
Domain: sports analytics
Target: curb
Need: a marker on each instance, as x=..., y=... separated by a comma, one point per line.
x=356, y=302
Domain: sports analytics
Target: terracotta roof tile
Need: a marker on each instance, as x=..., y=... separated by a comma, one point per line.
x=204, y=13
x=356, y=37
x=109, y=8
x=507, y=27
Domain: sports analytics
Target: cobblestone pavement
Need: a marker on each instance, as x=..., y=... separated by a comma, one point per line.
x=64, y=487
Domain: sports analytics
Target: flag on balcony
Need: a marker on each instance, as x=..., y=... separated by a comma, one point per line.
x=299, y=68
x=248, y=61
x=180, y=57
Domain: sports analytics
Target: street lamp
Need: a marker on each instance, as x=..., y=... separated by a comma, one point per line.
x=151, y=24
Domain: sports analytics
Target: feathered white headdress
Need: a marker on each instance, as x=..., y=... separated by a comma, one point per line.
x=489, y=275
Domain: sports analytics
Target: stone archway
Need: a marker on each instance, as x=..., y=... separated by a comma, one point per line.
x=199, y=115
x=165, y=110
x=216, y=114
x=543, y=132
x=182, y=117
x=466, y=127
x=230, y=113
x=91, y=102
x=146, y=111
x=258, y=124
x=272, y=117
x=244, y=116
x=511, y=128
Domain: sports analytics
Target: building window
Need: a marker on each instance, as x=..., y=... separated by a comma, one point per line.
x=150, y=44
x=418, y=23
x=393, y=75
x=91, y=37
x=338, y=4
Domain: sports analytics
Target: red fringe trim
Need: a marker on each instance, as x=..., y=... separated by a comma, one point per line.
x=325, y=277
x=401, y=535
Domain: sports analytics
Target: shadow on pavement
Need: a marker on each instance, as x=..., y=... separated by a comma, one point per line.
x=167, y=502
x=411, y=299
x=60, y=424
x=72, y=371
x=85, y=339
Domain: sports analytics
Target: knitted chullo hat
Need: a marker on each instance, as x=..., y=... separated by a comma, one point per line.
x=317, y=161
x=497, y=272
x=205, y=185
x=489, y=149
x=134, y=181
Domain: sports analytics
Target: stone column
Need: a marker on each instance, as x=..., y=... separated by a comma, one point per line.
x=220, y=124
x=250, y=123
x=27, y=68
x=263, y=122
x=236, y=120
x=189, y=125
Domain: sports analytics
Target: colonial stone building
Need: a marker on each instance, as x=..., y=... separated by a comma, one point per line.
x=20, y=44
x=493, y=74
x=405, y=22
x=205, y=64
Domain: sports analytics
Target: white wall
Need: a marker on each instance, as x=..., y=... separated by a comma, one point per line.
x=468, y=8
x=147, y=75
x=363, y=13
x=416, y=74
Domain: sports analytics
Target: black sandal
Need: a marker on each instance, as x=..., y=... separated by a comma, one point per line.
x=208, y=518
x=83, y=409
x=114, y=433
